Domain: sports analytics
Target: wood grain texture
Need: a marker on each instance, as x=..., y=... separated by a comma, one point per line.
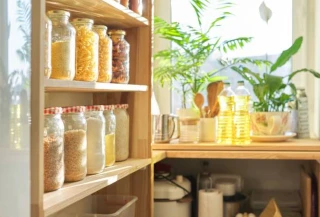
x=315, y=168
x=305, y=192
x=54, y=85
x=107, y=12
x=267, y=155
x=73, y=192
x=302, y=145
x=158, y=156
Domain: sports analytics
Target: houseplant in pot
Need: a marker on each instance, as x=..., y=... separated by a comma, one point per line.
x=271, y=115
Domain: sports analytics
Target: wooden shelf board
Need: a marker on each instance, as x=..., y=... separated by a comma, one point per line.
x=158, y=156
x=107, y=12
x=53, y=85
x=75, y=191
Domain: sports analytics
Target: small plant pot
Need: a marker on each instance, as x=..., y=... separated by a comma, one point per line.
x=269, y=123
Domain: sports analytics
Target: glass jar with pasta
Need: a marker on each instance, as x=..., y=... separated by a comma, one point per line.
x=87, y=50
x=105, y=54
x=120, y=57
x=63, y=46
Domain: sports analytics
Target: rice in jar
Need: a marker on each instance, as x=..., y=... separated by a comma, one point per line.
x=122, y=132
x=75, y=143
x=53, y=164
x=63, y=51
x=95, y=139
x=87, y=50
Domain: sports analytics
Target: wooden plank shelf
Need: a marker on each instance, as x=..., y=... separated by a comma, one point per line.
x=107, y=12
x=75, y=191
x=53, y=85
x=292, y=149
x=158, y=156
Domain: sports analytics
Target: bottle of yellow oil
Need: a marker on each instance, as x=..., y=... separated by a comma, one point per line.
x=242, y=126
x=225, y=117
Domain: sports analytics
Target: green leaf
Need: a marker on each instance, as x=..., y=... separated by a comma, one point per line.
x=313, y=72
x=233, y=44
x=247, y=74
x=274, y=83
x=260, y=90
x=287, y=54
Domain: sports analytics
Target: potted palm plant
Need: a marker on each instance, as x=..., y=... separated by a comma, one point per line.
x=270, y=116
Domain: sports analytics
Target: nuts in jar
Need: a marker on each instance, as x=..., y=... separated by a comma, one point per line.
x=120, y=57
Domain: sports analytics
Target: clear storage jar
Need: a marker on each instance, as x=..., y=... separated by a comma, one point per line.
x=63, y=51
x=47, y=47
x=122, y=132
x=120, y=57
x=75, y=143
x=110, y=134
x=53, y=149
x=105, y=54
x=87, y=50
x=95, y=139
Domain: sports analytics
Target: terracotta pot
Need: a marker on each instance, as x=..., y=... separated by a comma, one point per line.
x=269, y=123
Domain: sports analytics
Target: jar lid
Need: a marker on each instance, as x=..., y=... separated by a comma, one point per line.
x=94, y=108
x=58, y=13
x=121, y=106
x=74, y=109
x=108, y=107
x=102, y=27
x=82, y=20
x=52, y=110
x=117, y=32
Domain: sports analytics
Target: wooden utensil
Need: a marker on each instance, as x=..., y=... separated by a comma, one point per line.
x=199, y=100
x=206, y=111
x=213, y=90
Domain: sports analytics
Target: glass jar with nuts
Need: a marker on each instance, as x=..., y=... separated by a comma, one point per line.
x=120, y=57
x=75, y=143
x=53, y=164
x=105, y=54
x=87, y=50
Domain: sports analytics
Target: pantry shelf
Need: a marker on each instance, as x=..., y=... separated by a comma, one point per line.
x=53, y=85
x=158, y=156
x=107, y=12
x=75, y=191
x=298, y=149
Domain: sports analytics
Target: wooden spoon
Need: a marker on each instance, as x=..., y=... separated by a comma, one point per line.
x=206, y=111
x=199, y=100
x=213, y=90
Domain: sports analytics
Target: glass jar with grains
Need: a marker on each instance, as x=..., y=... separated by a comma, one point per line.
x=110, y=134
x=105, y=54
x=95, y=139
x=122, y=132
x=120, y=57
x=53, y=164
x=75, y=143
x=87, y=50
x=63, y=51
x=47, y=47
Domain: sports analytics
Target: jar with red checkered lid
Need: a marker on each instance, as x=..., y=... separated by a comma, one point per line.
x=75, y=143
x=122, y=132
x=95, y=139
x=53, y=149
x=110, y=134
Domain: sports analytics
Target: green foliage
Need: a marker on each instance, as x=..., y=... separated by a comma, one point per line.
x=194, y=46
x=271, y=89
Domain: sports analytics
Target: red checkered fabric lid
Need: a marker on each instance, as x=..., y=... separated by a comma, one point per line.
x=74, y=109
x=121, y=106
x=108, y=107
x=52, y=110
x=94, y=108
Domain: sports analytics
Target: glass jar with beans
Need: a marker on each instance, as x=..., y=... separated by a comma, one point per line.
x=120, y=57
x=75, y=143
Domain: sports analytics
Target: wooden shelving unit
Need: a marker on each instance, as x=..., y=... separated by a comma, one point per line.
x=75, y=191
x=298, y=149
x=158, y=156
x=53, y=85
x=102, y=11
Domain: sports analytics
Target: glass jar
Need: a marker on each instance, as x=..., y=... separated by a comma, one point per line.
x=63, y=51
x=53, y=164
x=75, y=143
x=105, y=54
x=125, y=3
x=47, y=47
x=120, y=57
x=189, y=125
x=95, y=139
x=122, y=132
x=110, y=134
x=136, y=6
x=87, y=50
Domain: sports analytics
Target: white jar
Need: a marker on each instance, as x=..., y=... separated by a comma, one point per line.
x=122, y=132
x=95, y=139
